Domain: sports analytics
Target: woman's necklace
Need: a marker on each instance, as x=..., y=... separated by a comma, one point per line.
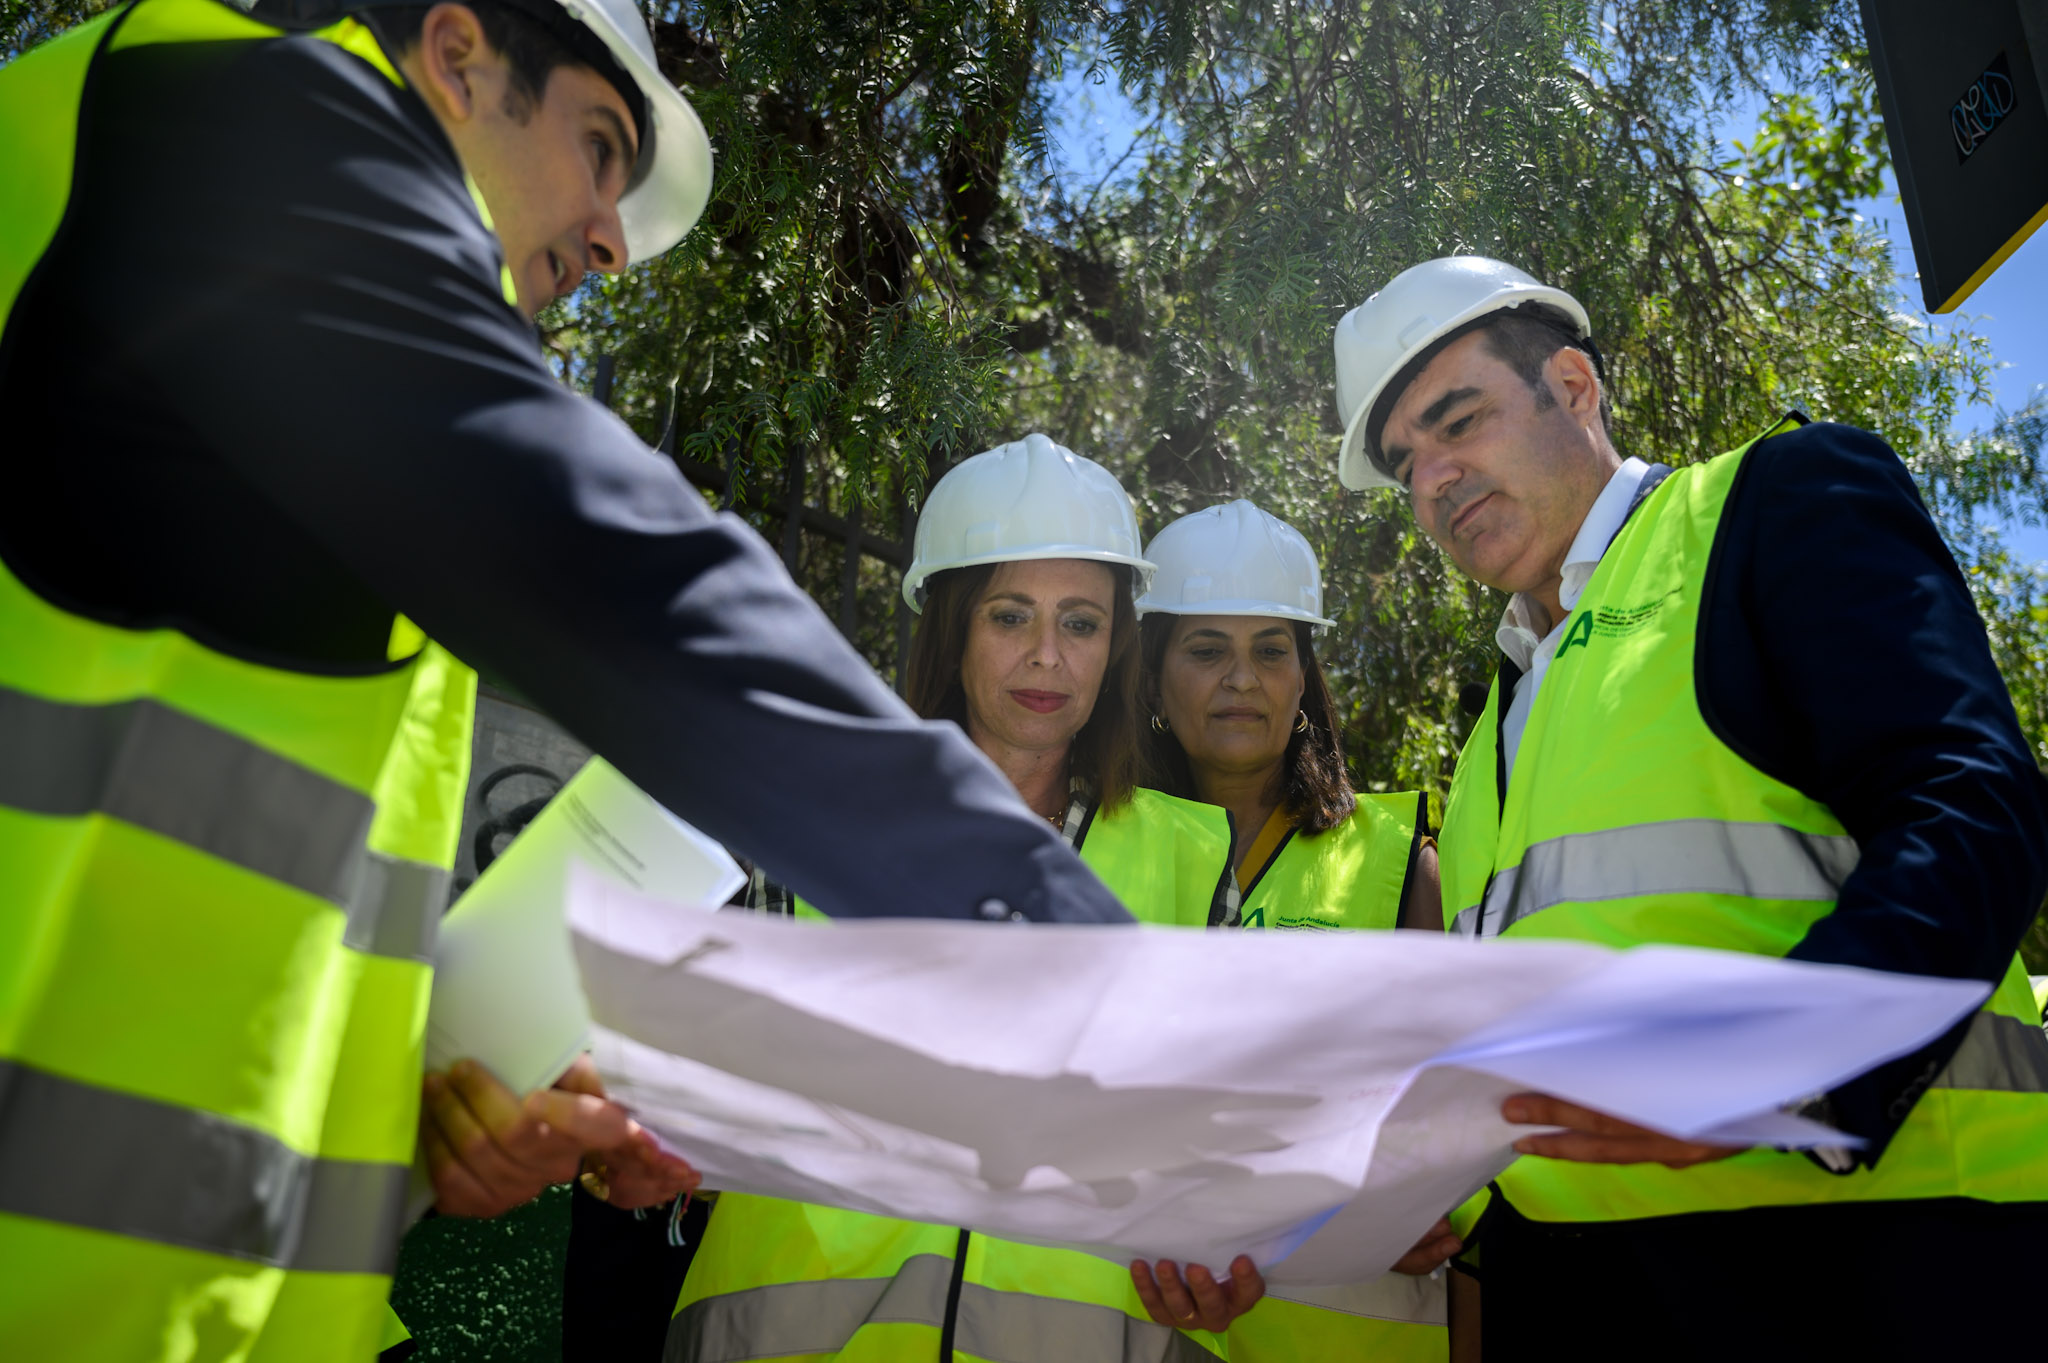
x=1066, y=795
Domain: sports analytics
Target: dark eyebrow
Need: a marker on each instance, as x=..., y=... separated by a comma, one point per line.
x=1018, y=597
x=1205, y=632
x=1272, y=630
x=1431, y=415
x=1071, y=602
x=1436, y=410
x=628, y=147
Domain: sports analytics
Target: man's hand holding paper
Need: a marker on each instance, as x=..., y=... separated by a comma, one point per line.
x=1590, y=1137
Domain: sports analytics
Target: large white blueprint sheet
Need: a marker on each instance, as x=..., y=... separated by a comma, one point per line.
x=1315, y=1099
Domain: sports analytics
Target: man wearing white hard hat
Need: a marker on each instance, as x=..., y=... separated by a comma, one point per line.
x=286, y=464
x=1746, y=704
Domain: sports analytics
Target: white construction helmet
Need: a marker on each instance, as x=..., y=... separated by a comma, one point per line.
x=1234, y=560
x=672, y=175
x=672, y=179
x=1029, y=499
x=1422, y=305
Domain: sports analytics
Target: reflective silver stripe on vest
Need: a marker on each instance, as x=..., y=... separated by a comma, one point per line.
x=395, y=908
x=1682, y=856
x=145, y=763
x=1021, y=1327
x=1999, y=1053
x=821, y=1316
x=91, y=1157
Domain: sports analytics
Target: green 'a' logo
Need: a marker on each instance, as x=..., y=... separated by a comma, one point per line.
x=1580, y=632
x=1256, y=919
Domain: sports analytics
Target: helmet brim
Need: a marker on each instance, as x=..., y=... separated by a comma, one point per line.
x=1265, y=609
x=1142, y=569
x=672, y=189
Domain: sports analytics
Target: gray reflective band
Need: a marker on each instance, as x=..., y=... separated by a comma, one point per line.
x=1021, y=1327
x=818, y=1316
x=1999, y=1053
x=395, y=908
x=90, y=1157
x=821, y=1316
x=147, y=764
x=1681, y=856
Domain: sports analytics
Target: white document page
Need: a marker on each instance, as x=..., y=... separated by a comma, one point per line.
x=1314, y=1099
x=505, y=988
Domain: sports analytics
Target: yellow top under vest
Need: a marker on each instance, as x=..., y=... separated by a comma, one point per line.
x=1630, y=821
x=786, y=1280
x=221, y=885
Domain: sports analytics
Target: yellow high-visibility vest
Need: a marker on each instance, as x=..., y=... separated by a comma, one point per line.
x=1629, y=821
x=787, y=1280
x=1350, y=876
x=221, y=884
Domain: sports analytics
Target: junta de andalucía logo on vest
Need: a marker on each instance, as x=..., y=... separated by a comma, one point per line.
x=1611, y=622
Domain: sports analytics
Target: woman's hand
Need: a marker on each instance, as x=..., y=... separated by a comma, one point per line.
x=1435, y=1247
x=488, y=1150
x=1199, y=1302
x=636, y=1172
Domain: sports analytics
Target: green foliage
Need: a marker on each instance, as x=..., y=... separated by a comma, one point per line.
x=472, y=1290
x=24, y=23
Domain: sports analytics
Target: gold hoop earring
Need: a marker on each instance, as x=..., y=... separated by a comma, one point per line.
x=1301, y=721
x=1159, y=726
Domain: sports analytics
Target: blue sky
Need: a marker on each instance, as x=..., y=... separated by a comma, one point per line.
x=1093, y=126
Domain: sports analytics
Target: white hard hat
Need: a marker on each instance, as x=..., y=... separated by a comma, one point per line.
x=1029, y=499
x=1234, y=560
x=1423, y=304
x=671, y=176
x=672, y=180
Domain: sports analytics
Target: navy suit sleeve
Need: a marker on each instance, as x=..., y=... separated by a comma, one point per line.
x=1843, y=654
x=331, y=327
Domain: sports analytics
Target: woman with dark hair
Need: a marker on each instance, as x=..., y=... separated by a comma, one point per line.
x=1026, y=567
x=1242, y=718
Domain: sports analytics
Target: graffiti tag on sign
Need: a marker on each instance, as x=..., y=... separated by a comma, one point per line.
x=1982, y=108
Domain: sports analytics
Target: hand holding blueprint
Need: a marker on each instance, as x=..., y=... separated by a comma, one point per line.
x=505, y=990
x=1314, y=1099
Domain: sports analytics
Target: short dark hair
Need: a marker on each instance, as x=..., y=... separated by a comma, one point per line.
x=1105, y=752
x=1315, y=787
x=1522, y=338
x=1525, y=338
x=532, y=51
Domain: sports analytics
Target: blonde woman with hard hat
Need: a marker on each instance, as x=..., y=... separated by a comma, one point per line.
x=1242, y=718
x=1026, y=568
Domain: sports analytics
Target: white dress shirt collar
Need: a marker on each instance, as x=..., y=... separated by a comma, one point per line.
x=1518, y=635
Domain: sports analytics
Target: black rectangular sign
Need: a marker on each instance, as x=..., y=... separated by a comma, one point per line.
x=1962, y=88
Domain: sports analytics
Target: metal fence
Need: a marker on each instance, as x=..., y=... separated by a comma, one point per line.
x=786, y=515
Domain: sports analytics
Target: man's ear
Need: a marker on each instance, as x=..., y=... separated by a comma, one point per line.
x=451, y=50
x=1577, y=384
